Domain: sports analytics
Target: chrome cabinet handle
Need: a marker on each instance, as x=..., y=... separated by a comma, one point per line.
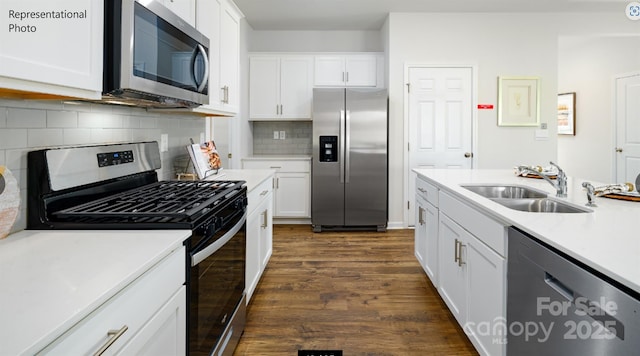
x=264, y=219
x=455, y=252
x=422, y=190
x=347, y=77
x=264, y=192
x=420, y=217
x=458, y=253
x=113, y=336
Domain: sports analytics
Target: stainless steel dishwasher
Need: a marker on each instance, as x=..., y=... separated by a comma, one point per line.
x=556, y=306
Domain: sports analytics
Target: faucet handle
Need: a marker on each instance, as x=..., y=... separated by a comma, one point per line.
x=591, y=196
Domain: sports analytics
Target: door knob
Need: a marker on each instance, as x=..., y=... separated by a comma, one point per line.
x=618, y=149
x=468, y=154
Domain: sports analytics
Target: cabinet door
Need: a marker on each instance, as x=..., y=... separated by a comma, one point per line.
x=264, y=87
x=229, y=57
x=252, y=269
x=420, y=232
x=431, y=217
x=292, y=195
x=452, y=267
x=266, y=232
x=329, y=71
x=486, y=276
x=206, y=22
x=165, y=333
x=295, y=88
x=186, y=9
x=361, y=71
x=58, y=57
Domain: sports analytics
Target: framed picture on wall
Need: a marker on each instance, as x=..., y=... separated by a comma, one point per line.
x=567, y=114
x=518, y=101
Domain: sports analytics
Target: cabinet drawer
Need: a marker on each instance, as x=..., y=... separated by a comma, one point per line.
x=293, y=166
x=131, y=307
x=428, y=191
x=493, y=233
x=259, y=194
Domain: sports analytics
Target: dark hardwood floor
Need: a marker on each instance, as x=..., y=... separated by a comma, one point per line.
x=360, y=292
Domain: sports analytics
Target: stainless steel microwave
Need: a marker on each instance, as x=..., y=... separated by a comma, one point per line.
x=152, y=57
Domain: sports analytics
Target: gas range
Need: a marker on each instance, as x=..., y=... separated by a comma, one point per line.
x=116, y=187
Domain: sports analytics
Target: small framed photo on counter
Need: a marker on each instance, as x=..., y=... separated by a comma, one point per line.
x=567, y=114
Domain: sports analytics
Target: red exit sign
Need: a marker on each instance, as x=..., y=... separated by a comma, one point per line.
x=485, y=106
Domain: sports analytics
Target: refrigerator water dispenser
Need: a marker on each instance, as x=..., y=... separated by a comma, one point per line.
x=328, y=149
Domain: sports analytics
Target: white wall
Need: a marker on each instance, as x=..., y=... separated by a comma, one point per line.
x=315, y=41
x=587, y=66
x=498, y=45
x=505, y=44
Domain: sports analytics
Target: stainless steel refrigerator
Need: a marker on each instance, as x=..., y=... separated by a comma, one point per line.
x=350, y=160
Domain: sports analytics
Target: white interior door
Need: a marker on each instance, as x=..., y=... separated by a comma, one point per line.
x=627, y=128
x=440, y=122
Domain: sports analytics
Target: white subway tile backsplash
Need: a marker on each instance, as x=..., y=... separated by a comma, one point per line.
x=13, y=138
x=26, y=118
x=44, y=137
x=76, y=136
x=151, y=123
x=99, y=120
x=16, y=159
x=62, y=119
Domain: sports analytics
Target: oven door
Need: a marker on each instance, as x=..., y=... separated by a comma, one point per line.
x=216, y=282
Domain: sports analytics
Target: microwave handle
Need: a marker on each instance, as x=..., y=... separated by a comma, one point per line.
x=205, y=78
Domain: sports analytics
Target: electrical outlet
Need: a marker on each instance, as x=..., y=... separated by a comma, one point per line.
x=282, y=135
x=276, y=135
x=543, y=126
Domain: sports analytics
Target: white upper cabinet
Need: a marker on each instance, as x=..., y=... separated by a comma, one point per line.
x=357, y=70
x=280, y=87
x=219, y=20
x=186, y=9
x=52, y=56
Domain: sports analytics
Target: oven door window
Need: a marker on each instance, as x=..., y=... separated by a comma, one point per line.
x=164, y=54
x=217, y=285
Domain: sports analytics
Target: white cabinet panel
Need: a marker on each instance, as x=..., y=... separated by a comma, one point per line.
x=358, y=70
x=186, y=9
x=293, y=195
x=259, y=234
x=452, y=268
x=52, y=56
x=132, y=311
x=280, y=87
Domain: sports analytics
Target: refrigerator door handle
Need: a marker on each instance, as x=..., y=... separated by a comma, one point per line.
x=347, y=148
x=341, y=134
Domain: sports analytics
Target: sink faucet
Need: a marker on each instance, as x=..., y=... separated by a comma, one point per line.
x=591, y=194
x=561, y=180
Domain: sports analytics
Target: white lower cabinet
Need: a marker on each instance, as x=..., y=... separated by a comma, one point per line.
x=472, y=274
x=147, y=317
x=291, y=186
x=463, y=251
x=259, y=234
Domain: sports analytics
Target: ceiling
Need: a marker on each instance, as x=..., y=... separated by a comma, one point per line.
x=371, y=14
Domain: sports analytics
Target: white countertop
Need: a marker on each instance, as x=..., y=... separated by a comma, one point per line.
x=253, y=177
x=278, y=158
x=50, y=280
x=606, y=239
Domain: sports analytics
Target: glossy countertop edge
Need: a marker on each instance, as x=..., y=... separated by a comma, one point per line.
x=278, y=158
x=603, y=239
x=35, y=313
x=252, y=177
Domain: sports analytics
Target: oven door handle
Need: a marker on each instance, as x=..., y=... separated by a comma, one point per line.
x=209, y=250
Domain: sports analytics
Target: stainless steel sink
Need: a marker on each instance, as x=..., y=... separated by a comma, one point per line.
x=505, y=191
x=523, y=198
x=540, y=205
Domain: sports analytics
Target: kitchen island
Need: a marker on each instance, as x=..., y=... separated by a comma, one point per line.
x=605, y=239
x=463, y=241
